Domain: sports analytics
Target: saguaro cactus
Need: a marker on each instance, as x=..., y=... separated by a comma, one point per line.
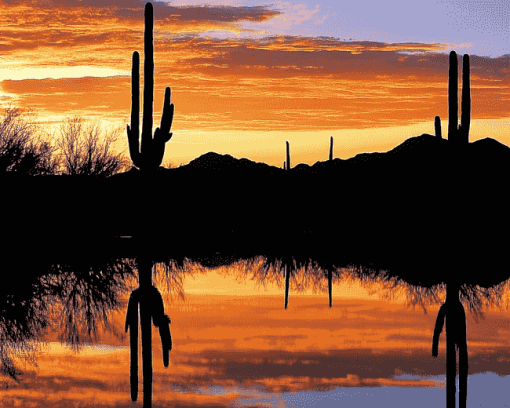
x=153, y=149
x=455, y=133
x=287, y=282
x=465, y=118
x=331, y=148
x=330, y=286
x=453, y=97
x=287, y=163
x=437, y=126
x=151, y=309
x=452, y=311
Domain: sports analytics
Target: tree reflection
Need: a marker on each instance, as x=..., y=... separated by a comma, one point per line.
x=474, y=298
x=76, y=296
x=82, y=294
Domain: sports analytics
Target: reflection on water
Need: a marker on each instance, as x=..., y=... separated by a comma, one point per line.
x=62, y=332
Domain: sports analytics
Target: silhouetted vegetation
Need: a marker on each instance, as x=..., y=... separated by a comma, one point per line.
x=78, y=149
x=86, y=149
x=459, y=134
x=22, y=147
x=437, y=127
x=149, y=155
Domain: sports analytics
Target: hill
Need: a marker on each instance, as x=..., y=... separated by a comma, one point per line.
x=423, y=206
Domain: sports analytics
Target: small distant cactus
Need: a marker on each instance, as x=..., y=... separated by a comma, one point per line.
x=437, y=125
x=330, y=286
x=287, y=163
x=455, y=133
x=287, y=283
x=331, y=148
x=153, y=149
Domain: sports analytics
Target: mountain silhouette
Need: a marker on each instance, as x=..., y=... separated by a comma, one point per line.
x=411, y=210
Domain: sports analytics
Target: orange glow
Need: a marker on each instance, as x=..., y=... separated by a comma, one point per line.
x=243, y=96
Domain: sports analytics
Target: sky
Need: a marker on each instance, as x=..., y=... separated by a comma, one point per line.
x=248, y=75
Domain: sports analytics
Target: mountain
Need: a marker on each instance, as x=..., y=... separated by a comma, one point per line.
x=425, y=206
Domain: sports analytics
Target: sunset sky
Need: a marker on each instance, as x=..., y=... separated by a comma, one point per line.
x=246, y=75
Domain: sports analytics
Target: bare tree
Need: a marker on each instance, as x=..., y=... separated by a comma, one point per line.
x=22, y=147
x=88, y=149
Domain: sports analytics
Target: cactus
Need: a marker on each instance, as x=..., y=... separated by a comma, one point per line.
x=437, y=125
x=330, y=286
x=287, y=281
x=465, y=118
x=153, y=149
x=331, y=148
x=453, y=96
x=459, y=134
x=287, y=163
x=452, y=311
x=284, y=168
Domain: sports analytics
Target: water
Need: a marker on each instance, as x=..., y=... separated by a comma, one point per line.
x=236, y=346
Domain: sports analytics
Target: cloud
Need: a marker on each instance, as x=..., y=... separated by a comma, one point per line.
x=101, y=14
x=280, y=83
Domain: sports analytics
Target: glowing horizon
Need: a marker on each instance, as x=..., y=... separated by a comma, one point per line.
x=242, y=91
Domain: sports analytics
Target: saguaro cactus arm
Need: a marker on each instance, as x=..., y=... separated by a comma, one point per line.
x=162, y=134
x=465, y=116
x=132, y=320
x=453, y=95
x=133, y=131
x=438, y=329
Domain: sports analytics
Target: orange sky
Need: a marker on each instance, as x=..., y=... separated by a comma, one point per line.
x=239, y=95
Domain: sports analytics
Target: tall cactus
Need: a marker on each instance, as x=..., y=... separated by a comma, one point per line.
x=455, y=133
x=452, y=315
x=453, y=98
x=153, y=149
x=437, y=126
x=465, y=118
x=331, y=148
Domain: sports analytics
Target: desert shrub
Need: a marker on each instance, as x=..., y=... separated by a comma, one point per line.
x=88, y=149
x=22, y=146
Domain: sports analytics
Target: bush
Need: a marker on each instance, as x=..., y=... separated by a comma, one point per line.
x=22, y=148
x=87, y=149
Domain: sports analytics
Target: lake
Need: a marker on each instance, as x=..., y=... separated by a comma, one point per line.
x=235, y=345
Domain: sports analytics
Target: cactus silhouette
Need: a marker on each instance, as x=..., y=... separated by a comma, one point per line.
x=455, y=133
x=452, y=311
x=330, y=285
x=453, y=97
x=287, y=163
x=150, y=155
x=331, y=148
x=437, y=126
x=465, y=118
x=287, y=277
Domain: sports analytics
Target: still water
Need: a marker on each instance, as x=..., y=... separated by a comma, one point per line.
x=235, y=345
